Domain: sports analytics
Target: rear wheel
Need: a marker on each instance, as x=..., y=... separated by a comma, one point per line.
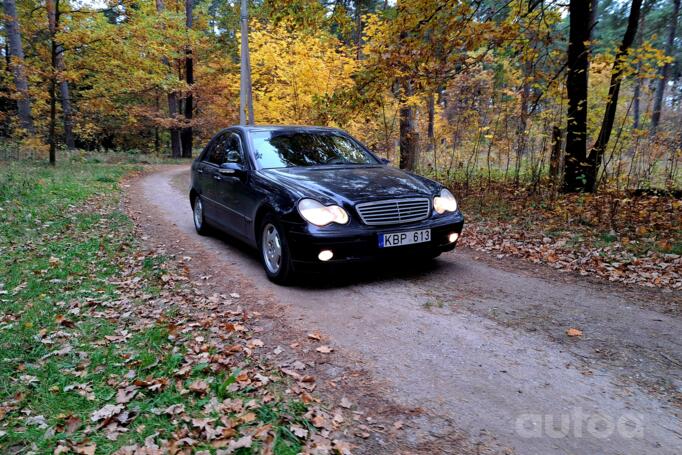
x=274, y=251
x=198, y=215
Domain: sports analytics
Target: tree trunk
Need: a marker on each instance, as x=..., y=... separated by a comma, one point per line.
x=637, y=92
x=157, y=138
x=522, y=125
x=358, y=29
x=555, y=157
x=52, y=87
x=665, y=71
x=636, y=101
x=576, y=89
x=16, y=52
x=176, y=144
x=409, y=137
x=67, y=110
x=58, y=67
x=187, y=133
x=430, y=126
x=245, y=95
x=597, y=152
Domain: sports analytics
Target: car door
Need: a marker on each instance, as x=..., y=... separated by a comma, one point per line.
x=232, y=190
x=201, y=174
x=215, y=156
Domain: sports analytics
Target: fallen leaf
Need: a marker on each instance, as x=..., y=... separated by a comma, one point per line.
x=342, y=447
x=324, y=349
x=248, y=417
x=241, y=443
x=85, y=448
x=61, y=320
x=175, y=409
x=319, y=421
x=106, y=412
x=255, y=343
x=38, y=421
x=72, y=424
x=573, y=332
x=126, y=394
x=299, y=431
x=199, y=386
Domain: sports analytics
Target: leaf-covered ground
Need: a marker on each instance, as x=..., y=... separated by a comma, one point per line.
x=106, y=348
x=635, y=240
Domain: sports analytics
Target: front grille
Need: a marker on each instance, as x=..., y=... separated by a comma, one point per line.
x=394, y=211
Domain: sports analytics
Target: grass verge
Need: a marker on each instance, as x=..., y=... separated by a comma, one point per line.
x=108, y=349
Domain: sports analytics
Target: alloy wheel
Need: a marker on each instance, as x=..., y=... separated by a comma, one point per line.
x=198, y=214
x=271, y=247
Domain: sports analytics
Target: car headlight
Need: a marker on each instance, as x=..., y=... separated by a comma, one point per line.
x=445, y=202
x=321, y=215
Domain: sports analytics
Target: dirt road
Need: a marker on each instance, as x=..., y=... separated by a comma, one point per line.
x=483, y=343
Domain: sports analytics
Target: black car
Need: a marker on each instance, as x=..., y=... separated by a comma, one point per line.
x=307, y=196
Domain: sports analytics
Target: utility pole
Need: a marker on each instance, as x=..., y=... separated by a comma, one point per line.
x=245, y=97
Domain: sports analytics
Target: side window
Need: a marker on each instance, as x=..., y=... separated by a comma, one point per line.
x=217, y=155
x=226, y=149
x=208, y=151
x=233, y=149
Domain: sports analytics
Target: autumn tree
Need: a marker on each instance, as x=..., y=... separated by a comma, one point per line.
x=186, y=132
x=173, y=108
x=665, y=70
x=57, y=69
x=575, y=167
x=596, y=154
x=424, y=46
x=16, y=58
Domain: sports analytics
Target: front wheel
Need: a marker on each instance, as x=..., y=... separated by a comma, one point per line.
x=274, y=252
x=198, y=215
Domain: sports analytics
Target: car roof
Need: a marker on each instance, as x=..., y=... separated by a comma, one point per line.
x=284, y=128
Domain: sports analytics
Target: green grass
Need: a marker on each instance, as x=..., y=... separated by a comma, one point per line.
x=57, y=248
x=53, y=254
x=437, y=303
x=677, y=248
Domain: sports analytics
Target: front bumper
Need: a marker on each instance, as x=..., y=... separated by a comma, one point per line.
x=357, y=242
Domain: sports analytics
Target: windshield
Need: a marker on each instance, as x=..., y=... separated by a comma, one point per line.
x=276, y=149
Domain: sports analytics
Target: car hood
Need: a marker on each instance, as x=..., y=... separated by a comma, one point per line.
x=351, y=184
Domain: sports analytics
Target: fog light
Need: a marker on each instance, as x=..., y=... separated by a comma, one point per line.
x=452, y=238
x=325, y=255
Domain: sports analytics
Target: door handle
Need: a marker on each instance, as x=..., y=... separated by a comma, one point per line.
x=217, y=177
x=200, y=171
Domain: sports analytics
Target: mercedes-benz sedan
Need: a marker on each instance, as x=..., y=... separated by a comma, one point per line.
x=312, y=196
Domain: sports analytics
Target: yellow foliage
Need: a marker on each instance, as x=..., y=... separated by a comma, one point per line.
x=294, y=72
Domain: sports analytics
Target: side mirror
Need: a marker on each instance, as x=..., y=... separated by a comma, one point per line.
x=233, y=169
x=385, y=161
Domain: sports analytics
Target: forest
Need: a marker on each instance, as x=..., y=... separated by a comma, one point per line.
x=578, y=96
x=127, y=326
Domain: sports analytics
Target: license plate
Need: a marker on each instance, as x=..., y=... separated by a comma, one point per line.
x=404, y=238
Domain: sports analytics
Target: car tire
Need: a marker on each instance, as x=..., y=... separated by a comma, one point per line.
x=198, y=216
x=274, y=251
